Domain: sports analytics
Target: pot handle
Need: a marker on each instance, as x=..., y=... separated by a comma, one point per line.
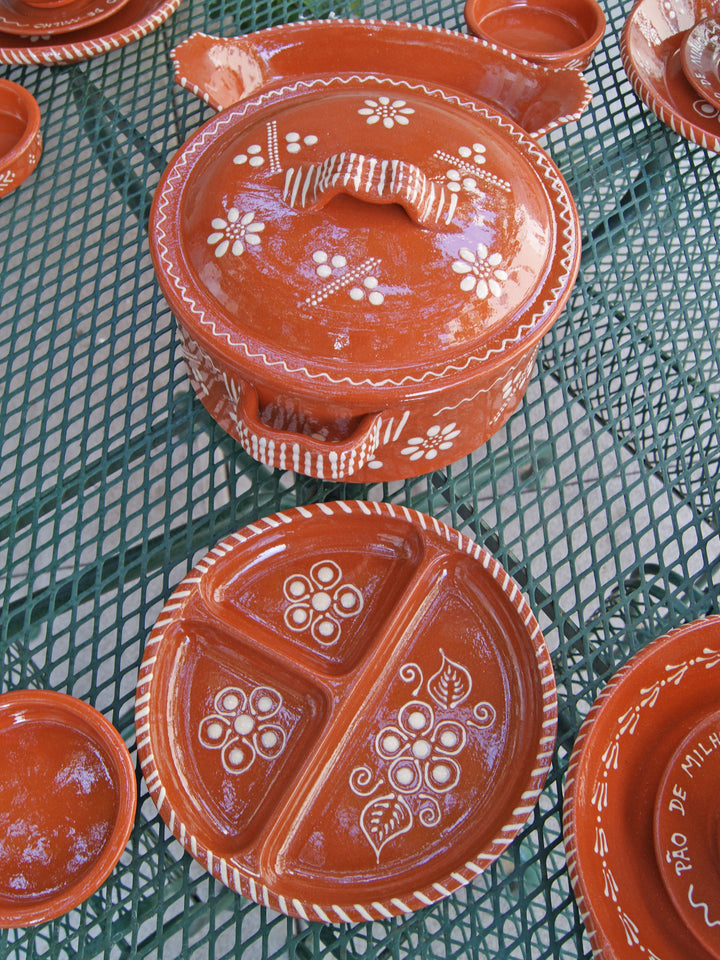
x=286, y=450
x=220, y=71
x=373, y=179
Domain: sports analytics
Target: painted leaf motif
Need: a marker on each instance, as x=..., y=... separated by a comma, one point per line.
x=451, y=684
x=385, y=818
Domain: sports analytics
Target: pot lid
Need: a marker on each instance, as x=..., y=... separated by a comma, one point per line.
x=346, y=711
x=364, y=231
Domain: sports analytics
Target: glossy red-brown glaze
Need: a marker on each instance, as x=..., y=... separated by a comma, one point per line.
x=34, y=20
x=699, y=55
x=20, y=137
x=346, y=711
x=687, y=830
x=562, y=33
x=67, y=802
x=296, y=233
x=616, y=779
x=225, y=70
x=652, y=38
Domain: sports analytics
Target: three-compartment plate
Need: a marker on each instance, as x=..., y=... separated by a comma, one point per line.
x=346, y=711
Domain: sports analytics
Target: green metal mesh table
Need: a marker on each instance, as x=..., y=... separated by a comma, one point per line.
x=599, y=497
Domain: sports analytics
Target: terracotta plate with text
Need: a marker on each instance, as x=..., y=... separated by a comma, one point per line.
x=641, y=820
x=346, y=711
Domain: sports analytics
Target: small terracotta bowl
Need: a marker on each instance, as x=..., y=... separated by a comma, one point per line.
x=67, y=803
x=20, y=137
x=557, y=33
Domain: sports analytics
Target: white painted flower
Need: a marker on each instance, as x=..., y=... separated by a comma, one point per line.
x=319, y=602
x=386, y=111
x=481, y=271
x=420, y=750
x=235, y=233
x=428, y=447
x=238, y=727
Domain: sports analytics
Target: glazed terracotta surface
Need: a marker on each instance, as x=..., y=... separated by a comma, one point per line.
x=67, y=803
x=134, y=19
x=20, y=136
x=651, y=50
x=641, y=804
x=551, y=32
x=27, y=20
x=700, y=54
x=224, y=71
x=687, y=830
x=297, y=233
x=346, y=711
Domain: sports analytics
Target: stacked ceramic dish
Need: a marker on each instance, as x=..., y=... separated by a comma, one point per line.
x=65, y=31
x=20, y=136
x=670, y=53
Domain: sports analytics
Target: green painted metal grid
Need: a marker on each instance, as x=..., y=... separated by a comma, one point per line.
x=600, y=495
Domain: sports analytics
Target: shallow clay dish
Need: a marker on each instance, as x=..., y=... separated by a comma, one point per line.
x=700, y=53
x=26, y=20
x=651, y=53
x=223, y=71
x=687, y=830
x=295, y=234
x=560, y=33
x=346, y=711
x=134, y=20
x=641, y=807
x=67, y=804
x=20, y=137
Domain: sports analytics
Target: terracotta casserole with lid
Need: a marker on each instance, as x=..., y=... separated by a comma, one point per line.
x=362, y=269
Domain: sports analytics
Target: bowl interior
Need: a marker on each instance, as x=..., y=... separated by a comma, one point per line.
x=548, y=27
x=14, y=119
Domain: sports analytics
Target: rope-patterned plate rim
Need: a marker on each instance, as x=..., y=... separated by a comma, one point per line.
x=523, y=804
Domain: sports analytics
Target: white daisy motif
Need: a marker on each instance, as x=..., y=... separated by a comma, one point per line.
x=428, y=447
x=235, y=233
x=386, y=111
x=480, y=271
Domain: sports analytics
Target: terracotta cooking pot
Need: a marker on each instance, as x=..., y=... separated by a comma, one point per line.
x=362, y=269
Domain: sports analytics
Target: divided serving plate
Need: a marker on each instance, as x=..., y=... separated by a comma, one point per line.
x=346, y=711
